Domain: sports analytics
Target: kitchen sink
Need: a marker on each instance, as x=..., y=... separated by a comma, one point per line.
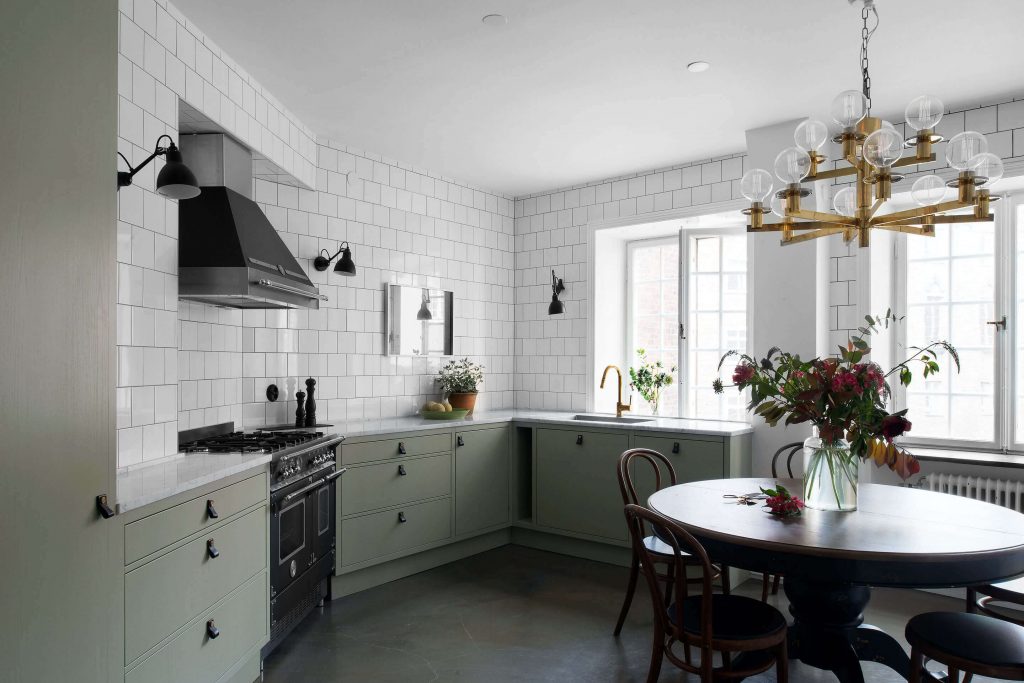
x=612, y=418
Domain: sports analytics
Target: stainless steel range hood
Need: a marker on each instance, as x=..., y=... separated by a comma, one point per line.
x=228, y=252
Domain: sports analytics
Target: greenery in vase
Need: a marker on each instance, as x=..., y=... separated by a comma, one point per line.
x=843, y=396
x=650, y=378
x=460, y=376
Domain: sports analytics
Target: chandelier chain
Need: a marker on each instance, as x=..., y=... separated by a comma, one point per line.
x=865, y=37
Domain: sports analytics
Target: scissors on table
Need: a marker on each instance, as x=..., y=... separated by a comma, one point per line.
x=746, y=498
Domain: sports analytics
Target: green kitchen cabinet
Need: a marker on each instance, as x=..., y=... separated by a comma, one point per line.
x=577, y=486
x=481, y=479
x=694, y=459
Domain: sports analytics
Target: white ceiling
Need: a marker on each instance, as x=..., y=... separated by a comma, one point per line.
x=578, y=90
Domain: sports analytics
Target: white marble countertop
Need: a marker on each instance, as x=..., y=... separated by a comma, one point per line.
x=148, y=483
x=356, y=428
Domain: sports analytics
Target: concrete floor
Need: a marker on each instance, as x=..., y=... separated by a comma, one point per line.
x=514, y=615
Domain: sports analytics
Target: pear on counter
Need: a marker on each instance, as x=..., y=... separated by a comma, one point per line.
x=433, y=407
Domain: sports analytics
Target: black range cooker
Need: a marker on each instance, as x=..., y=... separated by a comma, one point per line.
x=303, y=476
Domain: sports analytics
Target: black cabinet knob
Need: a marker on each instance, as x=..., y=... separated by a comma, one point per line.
x=212, y=630
x=401, y=470
x=401, y=518
x=211, y=549
x=211, y=512
x=675, y=447
x=579, y=439
x=459, y=441
x=401, y=448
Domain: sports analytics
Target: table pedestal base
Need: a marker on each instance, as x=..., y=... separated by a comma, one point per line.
x=828, y=631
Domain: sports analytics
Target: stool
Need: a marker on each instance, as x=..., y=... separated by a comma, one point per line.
x=968, y=643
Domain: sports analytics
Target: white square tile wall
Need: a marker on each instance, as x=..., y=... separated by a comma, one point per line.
x=550, y=231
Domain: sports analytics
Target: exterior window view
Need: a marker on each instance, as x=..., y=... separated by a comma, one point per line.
x=510, y=342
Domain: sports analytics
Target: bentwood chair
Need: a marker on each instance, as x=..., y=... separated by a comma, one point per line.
x=982, y=599
x=707, y=621
x=660, y=553
x=970, y=643
x=793, y=448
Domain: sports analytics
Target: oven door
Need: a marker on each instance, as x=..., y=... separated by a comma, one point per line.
x=323, y=520
x=291, y=545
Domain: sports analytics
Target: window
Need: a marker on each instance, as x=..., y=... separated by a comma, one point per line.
x=711, y=266
x=958, y=286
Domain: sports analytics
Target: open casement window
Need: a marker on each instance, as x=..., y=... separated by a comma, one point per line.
x=965, y=285
x=687, y=300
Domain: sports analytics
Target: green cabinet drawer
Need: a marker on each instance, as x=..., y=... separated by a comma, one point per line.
x=481, y=479
x=384, y=533
x=193, y=656
x=577, y=482
x=372, y=487
x=162, y=595
x=692, y=459
x=160, y=530
x=369, y=451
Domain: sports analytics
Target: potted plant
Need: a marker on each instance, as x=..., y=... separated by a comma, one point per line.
x=649, y=379
x=845, y=398
x=459, y=380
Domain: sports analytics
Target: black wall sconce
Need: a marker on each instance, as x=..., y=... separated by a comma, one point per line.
x=345, y=266
x=424, y=312
x=175, y=180
x=556, y=307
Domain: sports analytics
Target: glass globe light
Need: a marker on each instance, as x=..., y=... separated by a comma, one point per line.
x=988, y=166
x=963, y=147
x=849, y=107
x=924, y=112
x=845, y=202
x=792, y=165
x=883, y=148
x=756, y=184
x=811, y=135
x=778, y=208
x=928, y=190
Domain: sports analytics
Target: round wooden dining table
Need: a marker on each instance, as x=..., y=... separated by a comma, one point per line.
x=899, y=537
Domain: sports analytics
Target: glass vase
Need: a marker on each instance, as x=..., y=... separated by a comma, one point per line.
x=653, y=404
x=831, y=473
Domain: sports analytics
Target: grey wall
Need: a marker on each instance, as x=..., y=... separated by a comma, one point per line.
x=58, y=580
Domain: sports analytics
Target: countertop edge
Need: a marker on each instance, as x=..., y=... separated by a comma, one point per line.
x=134, y=502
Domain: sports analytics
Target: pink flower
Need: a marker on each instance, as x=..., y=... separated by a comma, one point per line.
x=742, y=374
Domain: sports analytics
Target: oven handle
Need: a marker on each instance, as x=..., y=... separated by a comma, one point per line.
x=332, y=477
x=305, y=489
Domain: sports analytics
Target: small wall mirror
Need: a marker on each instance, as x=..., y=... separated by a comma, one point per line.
x=419, y=321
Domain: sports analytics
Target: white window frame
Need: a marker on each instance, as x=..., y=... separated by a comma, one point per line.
x=683, y=237
x=1004, y=399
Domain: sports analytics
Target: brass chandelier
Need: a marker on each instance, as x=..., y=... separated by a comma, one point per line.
x=871, y=149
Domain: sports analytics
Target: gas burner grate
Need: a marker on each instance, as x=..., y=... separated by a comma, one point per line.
x=250, y=442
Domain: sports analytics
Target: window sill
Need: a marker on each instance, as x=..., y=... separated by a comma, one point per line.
x=987, y=458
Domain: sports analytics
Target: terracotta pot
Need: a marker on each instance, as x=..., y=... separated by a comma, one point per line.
x=461, y=401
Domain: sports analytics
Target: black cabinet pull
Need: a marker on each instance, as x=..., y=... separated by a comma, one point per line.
x=401, y=471
x=212, y=630
x=459, y=441
x=401, y=448
x=211, y=512
x=675, y=447
x=401, y=518
x=106, y=512
x=211, y=549
x=579, y=439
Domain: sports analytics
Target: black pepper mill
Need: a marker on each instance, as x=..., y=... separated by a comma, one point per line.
x=310, y=403
x=300, y=412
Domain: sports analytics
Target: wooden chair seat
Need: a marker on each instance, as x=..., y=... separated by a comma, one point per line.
x=971, y=643
x=733, y=617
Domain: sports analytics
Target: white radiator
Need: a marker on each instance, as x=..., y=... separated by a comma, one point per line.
x=1005, y=492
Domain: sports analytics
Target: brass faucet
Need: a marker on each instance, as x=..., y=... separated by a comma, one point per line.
x=620, y=407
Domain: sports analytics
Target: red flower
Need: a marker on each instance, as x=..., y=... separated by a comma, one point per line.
x=742, y=374
x=894, y=425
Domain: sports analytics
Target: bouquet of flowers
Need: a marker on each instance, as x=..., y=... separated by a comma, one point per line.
x=649, y=379
x=845, y=397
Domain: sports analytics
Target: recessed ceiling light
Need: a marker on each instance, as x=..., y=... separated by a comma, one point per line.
x=697, y=67
x=495, y=20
